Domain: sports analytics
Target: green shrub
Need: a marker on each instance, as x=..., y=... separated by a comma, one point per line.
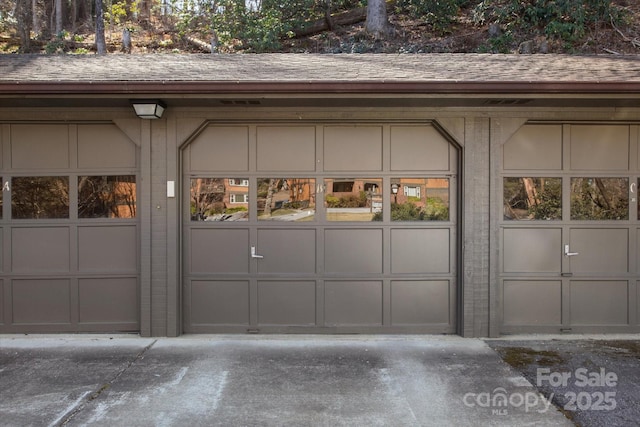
x=564, y=20
x=258, y=27
x=440, y=14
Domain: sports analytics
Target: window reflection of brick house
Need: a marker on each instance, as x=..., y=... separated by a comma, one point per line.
x=418, y=190
x=302, y=189
x=237, y=193
x=368, y=190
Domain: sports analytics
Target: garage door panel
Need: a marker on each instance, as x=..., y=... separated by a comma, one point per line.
x=420, y=251
x=418, y=302
x=1, y=302
x=599, y=302
x=110, y=249
x=353, y=303
x=41, y=301
x=532, y=250
x=42, y=249
x=599, y=250
x=534, y=147
x=220, y=148
x=122, y=294
x=287, y=302
x=418, y=148
x=532, y=302
x=638, y=251
x=357, y=148
x=219, y=302
x=219, y=251
x=353, y=251
x=104, y=146
x=329, y=256
x=287, y=251
x=600, y=147
x=40, y=147
x=67, y=228
x=278, y=145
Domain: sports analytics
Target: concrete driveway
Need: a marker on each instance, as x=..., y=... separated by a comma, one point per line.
x=116, y=380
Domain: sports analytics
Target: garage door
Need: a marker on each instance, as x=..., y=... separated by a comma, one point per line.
x=69, y=232
x=319, y=228
x=569, y=233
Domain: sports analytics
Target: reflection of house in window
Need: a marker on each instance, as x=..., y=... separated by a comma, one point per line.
x=237, y=193
x=342, y=186
x=239, y=182
x=238, y=198
x=419, y=190
x=412, y=191
x=371, y=187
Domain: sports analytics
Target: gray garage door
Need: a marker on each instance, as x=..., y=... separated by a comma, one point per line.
x=569, y=233
x=319, y=228
x=68, y=229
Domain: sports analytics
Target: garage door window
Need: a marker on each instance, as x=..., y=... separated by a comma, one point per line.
x=286, y=199
x=532, y=198
x=353, y=199
x=40, y=197
x=599, y=199
x=107, y=196
x=219, y=199
x=420, y=199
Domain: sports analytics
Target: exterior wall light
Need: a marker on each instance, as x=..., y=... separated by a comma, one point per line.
x=394, y=191
x=149, y=109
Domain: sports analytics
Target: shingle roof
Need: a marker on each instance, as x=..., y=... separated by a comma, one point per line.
x=304, y=67
x=272, y=69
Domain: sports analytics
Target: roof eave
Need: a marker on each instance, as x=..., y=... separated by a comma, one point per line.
x=312, y=87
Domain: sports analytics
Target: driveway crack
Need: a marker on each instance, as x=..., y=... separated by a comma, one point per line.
x=66, y=418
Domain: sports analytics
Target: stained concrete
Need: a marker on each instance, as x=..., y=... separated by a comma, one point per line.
x=109, y=380
x=595, y=380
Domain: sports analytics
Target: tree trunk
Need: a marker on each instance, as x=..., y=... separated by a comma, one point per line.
x=270, y=190
x=327, y=15
x=58, y=10
x=532, y=194
x=74, y=16
x=34, y=8
x=24, y=19
x=377, y=20
x=605, y=194
x=101, y=45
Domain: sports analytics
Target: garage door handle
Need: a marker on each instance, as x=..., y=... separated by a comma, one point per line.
x=254, y=254
x=567, y=253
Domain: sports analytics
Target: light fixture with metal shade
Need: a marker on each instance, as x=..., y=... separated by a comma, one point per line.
x=394, y=191
x=148, y=108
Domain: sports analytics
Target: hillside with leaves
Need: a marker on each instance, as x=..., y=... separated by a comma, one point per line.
x=330, y=26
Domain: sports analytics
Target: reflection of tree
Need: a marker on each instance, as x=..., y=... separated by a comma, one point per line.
x=599, y=198
x=207, y=197
x=533, y=198
x=299, y=188
x=271, y=188
x=107, y=196
x=37, y=197
x=289, y=193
